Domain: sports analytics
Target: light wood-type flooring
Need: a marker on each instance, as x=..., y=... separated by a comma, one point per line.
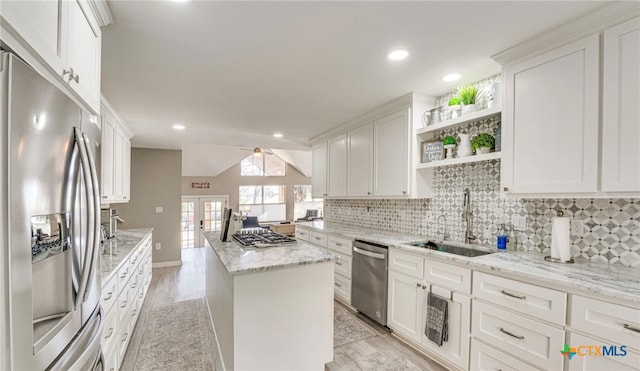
x=187, y=282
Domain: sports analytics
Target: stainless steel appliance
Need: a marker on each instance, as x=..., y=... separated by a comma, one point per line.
x=50, y=315
x=260, y=237
x=369, y=280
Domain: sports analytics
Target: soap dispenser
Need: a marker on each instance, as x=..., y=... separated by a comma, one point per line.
x=502, y=238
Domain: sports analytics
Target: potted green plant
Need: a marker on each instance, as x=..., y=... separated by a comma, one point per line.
x=454, y=107
x=468, y=95
x=449, y=143
x=482, y=143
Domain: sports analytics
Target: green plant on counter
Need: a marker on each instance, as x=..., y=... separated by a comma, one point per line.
x=449, y=140
x=454, y=101
x=468, y=94
x=483, y=140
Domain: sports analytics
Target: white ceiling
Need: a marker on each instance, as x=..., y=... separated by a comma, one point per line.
x=236, y=72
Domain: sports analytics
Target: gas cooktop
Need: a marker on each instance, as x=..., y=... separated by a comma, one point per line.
x=261, y=237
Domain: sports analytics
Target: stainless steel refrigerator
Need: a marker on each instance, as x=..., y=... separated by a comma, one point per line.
x=50, y=315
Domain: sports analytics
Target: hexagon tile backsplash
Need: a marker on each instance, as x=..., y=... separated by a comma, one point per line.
x=611, y=226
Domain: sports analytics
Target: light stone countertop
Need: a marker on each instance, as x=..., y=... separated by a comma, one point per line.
x=239, y=259
x=117, y=249
x=610, y=281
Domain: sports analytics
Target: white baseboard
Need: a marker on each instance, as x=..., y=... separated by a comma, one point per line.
x=175, y=263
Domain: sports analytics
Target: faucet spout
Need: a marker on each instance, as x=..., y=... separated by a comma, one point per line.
x=466, y=215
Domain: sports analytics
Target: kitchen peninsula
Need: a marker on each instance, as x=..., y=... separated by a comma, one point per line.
x=271, y=308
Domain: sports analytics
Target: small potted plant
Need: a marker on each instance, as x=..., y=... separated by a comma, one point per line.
x=449, y=143
x=468, y=95
x=482, y=143
x=454, y=107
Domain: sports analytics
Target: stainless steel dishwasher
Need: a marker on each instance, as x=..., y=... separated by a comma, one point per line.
x=369, y=280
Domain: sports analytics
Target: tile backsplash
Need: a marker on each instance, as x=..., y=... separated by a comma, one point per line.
x=611, y=226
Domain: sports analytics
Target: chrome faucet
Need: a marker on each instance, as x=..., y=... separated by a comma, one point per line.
x=466, y=215
x=445, y=235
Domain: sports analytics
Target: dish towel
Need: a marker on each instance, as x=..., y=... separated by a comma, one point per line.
x=437, y=325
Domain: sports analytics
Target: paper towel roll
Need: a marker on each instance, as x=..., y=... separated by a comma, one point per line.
x=560, y=239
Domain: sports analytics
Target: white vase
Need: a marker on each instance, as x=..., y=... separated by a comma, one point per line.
x=454, y=111
x=483, y=150
x=468, y=108
x=464, y=146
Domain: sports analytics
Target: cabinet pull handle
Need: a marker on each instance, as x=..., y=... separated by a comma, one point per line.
x=424, y=287
x=418, y=285
x=110, y=333
x=338, y=244
x=510, y=334
x=368, y=193
x=126, y=336
x=124, y=274
x=337, y=284
x=512, y=295
x=404, y=192
x=108, y=296
x=338, y=263
x=628, y=327
x=124, y=304
x=104, y=197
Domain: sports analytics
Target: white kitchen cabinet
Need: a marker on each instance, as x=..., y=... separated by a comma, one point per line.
x=360, y=161
x=337, y=169
x=391, y=154
x=620, y=113
x=319, y=170
x=116, y=157
x=485, y=357
x=550, y=121
x=65, y=37
x=404, y=313
x=583, y=362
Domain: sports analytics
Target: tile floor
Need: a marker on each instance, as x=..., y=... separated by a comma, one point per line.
x=364, y=344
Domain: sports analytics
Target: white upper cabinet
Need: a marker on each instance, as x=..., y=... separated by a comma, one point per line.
x=360, y=161
x=116, y=157
x=319, y=170
x=550, y=121
x=108, y=146
x=620, y=112
x=337, y=169
x=391, y=154
x=64, y=37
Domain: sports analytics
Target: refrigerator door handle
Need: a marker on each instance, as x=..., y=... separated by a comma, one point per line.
x=96, y=215
x=71, y=183
x=84, y=351
x=86, y=265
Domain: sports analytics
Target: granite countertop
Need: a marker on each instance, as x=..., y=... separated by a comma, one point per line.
x=240, y=259
x=117, y=249
x=608, y=280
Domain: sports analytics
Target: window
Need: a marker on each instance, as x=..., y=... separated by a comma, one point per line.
x=267, y=164
x=303, y=201
x=268, y=203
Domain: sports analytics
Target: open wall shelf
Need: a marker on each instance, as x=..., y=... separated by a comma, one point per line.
x=460, y=160
x=471, y=117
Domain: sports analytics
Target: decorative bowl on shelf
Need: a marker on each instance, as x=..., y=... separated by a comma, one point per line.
x=483, y=150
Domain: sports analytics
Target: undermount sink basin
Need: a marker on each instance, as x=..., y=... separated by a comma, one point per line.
x=450, y=249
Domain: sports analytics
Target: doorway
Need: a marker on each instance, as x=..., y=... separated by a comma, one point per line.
x=200, y=214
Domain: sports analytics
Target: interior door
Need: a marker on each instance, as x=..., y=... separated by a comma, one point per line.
x=200, y=214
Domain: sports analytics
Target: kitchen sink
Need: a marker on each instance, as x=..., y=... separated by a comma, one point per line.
x=450, y=249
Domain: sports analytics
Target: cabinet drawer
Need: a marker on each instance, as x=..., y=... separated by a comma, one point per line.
x=342, y=288
x=340, y=245
x=449, y=276
x=318, y=238
x=109, y=294
x=616, y=323
x=110, y=329
x=516, y=335
x=630, y=361
x=123, y=340
x=409, y=264
x=343, y=265
x=535, y=301
x=123, y=275
x=302, y=234
x=111, y=358
x=485, y=357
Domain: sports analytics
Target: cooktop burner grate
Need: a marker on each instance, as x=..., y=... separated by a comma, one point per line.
x=261, y=237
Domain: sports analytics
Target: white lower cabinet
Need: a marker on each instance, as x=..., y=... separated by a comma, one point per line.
x=404, y=306
x=624, y=360
x=485, y=357
x=122, y=298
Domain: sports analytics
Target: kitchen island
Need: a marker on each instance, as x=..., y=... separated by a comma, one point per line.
x=271, y=308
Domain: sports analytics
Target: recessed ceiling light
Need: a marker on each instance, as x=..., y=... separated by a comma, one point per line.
x=178, y=127
x=398, y=55
x=277, y=135
x=451, y=77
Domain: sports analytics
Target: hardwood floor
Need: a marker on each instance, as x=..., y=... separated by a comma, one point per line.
x=186, y=282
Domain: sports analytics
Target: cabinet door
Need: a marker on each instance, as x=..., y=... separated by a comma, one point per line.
x=83, y=45
x=584, y=362
x=391, y=155
x=620, y=113
x=118, y=165
x=319, y=170
x=337, y=166
x=456, y=348
x=38, y=23
x=360, y=161
x=550, y=131
x=126, y=169
x=405, y=305
x=108, y=146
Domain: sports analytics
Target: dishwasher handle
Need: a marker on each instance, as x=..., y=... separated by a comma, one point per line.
x=369, y=253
